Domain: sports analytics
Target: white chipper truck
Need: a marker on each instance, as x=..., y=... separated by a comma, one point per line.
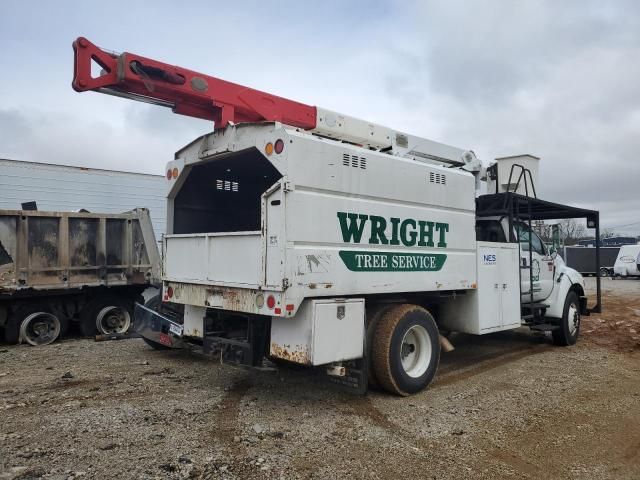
x=303, y=235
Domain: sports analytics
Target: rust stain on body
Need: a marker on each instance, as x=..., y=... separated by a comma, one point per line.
x=299, y=354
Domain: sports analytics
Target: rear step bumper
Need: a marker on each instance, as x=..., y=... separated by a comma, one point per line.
x=157, y=328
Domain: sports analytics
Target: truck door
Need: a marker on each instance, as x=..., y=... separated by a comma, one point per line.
x=541, y=265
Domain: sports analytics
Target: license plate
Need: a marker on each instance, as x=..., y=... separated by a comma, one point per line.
x=175, y=329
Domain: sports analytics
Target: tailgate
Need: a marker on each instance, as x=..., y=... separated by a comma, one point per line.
x=230, y=258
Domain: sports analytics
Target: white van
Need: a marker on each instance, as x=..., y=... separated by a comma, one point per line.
x=627, y=263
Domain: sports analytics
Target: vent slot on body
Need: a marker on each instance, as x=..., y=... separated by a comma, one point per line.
x=227, y=185
x=438, y=178
x=354, y=161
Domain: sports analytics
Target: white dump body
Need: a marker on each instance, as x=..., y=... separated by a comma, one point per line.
x=319, y=219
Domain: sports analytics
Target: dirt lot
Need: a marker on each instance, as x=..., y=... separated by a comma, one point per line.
x=503, y=406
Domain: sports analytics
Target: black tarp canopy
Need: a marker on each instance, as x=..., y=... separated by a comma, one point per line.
x=503, y=203
x=524, y=208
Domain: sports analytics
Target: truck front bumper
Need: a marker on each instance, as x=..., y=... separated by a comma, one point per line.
x=155, y=327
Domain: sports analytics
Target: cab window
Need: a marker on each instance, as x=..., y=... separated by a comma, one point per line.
x=489, y=231
x=523, y=235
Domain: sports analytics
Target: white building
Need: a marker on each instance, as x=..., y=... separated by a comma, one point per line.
x=64, y=188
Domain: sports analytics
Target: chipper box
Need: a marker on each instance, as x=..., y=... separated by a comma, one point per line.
x=303, y=235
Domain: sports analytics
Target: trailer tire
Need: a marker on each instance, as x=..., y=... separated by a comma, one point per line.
x=406, y=349
x=569, y=329
x=95, y=317
x=20, y=325
x=114, y=318
x=604, y=272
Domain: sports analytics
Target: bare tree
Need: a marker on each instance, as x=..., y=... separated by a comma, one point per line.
x=544, y=230
x=571, y=231
x=607, y=233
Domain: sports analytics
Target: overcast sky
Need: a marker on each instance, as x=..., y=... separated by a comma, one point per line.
x=560, y=80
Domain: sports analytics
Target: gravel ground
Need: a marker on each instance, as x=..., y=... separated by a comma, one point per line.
x=507, y=405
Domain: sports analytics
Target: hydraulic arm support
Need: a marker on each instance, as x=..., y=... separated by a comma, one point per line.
x=186, y=92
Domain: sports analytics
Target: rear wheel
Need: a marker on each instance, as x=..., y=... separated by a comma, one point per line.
x=406, y=349
x=105, y=314
x=33, y=324
x=604, y=272
x=373, y=316
x=569, y=329
x=113, y=319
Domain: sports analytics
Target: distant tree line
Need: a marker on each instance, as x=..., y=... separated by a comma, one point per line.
x=571, y=231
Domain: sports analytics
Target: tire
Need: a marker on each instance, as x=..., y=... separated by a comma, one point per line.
x=569, y=329
x=373, y=317
x=154, y=303
x=604, y=272
x=33, y=324
x=100, y=316
x=406, y=349
x=114, y=318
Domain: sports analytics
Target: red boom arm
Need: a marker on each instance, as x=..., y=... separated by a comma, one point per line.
x=186, y=92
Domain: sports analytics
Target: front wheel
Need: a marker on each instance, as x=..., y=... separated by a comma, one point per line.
x=569, y=329
x=406, y=349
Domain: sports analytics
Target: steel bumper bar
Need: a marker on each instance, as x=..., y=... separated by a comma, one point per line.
x=157, y=328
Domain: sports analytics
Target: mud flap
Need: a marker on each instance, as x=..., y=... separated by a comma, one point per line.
x=157, y=328
x=355, y=379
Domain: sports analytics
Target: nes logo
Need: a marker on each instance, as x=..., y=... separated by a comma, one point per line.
x=489, y=259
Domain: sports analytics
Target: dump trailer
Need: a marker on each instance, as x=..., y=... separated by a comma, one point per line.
x=62, y=267
x=583, y=259
x=303, y=235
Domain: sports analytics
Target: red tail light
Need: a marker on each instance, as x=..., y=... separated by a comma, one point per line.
x=279, y=146
x=271, y=302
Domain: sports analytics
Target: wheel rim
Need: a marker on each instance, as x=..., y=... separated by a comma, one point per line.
x=113, y=319
x=40, y=328
x=415, y=351
x=573, y=319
